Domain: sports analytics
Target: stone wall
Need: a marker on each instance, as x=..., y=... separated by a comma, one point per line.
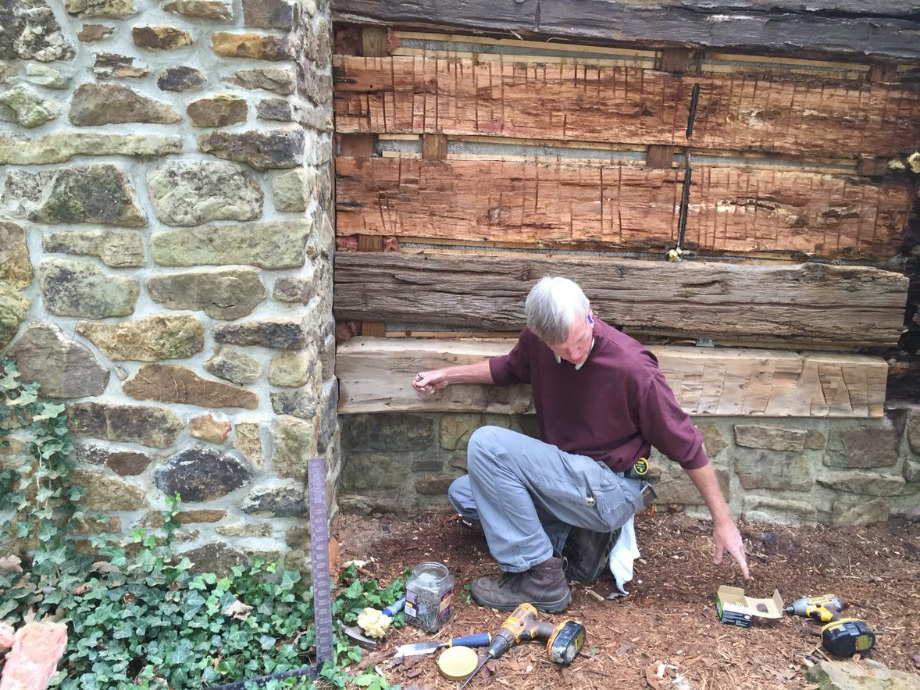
x=165, y=254
x=796, y=471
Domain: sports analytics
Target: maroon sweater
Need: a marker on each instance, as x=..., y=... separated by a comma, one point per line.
x=613, y=409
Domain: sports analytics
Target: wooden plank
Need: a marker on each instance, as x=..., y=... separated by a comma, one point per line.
x=434, y=147
x=839, y=307
x=374, y=41
x=675, y=60
x=580, y=100
x=774, y=26
x=621, y=205
x=660, y=157
x=375, y=375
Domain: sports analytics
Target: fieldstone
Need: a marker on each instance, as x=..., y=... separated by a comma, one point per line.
x=13, y=310
x=458, y=462
x=371, y=472
x=713, y=440
x=456, y=429
x=174, y=384
x=15, y=263
x=296, y=403
x=114, y=9
x=207, y=428
x=270, y=245
x=329, y=417
x=290, y=369
x=60, y=147
x=160, y=37
x=234, y=366
x=769, y=509
x=47, y=77
x=913, y=431
x=215, y=10
x=427, y=466
x=327, y=348
x=155, y=427
x=775, y=470
x=63, y=367
x=190, y=517
x=269, y=14
x=104, y=492
x=770, y=437
x=254, y=46
x=201, y=474
x=223, y=294
x=150, y=339
x=29, y=108
x=317, y=42
x=387, y=432
x=95, y=194
x=279, y=148
x=194, y=192
x=433, y=485
x=274, y=79
x=865, y=483
x=865, y=675
x=245, y=529
x=115, y=249
x=673, y=486
x=217, y=558
x=279, y=501
x=217, y=111
x=294, y=443
x=859, y=512
x=123, y=463
x=300, y=290
x=279, y=333
x=31, y=32
x=282, y=110
x=912, y=471
x=313, y=84
x=104, y=104
x=292, y=191
x=71, y=288
x=181, y=79
x=91, y=33
x=113, y=65
x=247, y=440
x=862, y=447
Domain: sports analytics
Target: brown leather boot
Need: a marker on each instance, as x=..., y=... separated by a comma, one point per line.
x=544, y=586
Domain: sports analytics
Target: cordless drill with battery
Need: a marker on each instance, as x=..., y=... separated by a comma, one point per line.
x=840, y=636
x=823, y=608
x=563, y=641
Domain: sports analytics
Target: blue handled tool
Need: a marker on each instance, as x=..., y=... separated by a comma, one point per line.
x=418, y=648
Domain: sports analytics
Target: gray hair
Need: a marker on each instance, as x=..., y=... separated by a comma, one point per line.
x=552, y=306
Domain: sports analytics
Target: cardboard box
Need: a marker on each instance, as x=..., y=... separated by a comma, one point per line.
x=734, y=608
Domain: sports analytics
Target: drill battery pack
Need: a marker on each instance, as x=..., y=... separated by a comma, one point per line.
x=847, y=636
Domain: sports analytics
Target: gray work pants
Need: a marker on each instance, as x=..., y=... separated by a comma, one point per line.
x=527, y=494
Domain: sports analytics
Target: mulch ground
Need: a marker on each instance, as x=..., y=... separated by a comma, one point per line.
x=665, y=634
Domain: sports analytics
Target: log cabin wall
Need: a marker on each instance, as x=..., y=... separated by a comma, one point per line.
x=740, y=204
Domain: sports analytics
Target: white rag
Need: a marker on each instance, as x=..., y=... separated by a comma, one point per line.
x=623, y=554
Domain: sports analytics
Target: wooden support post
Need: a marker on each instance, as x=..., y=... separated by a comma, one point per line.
x=659, y=157
x=882, y=72
x=434, y=147
x=675, y=60
x=374, y=41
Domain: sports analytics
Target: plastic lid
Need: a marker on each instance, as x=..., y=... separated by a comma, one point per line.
x=457, y=663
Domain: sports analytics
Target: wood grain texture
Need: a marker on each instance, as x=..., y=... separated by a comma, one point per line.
x=583, y=100
x=776, y=26
x=835, y=307
x=375, y=375
x=621, y=205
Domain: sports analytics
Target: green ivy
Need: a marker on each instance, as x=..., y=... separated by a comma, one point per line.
x=137, y=614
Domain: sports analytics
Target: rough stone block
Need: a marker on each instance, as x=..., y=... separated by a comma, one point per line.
x=269, y=245
x=71, y=288
x=297, y=403
x=427, y=466
x=48, y=77
x=317, y=41
x=234, y=366
x=296, y=289
x=201, y=474
x=377, y=433
x=115, y=66
x=774, y=470
x=114, y=9
x=13, y=310
x=150, y=339
x=270, y=14
x=862, y=447
x=277, y=501
x=261, y=150
x=865, y=483
x=433, y=485
x=247, y=440
x=713, y=440
x=60, y=147
x=770, y=437
x=217, y=111
x=63, y=367
x=329, y=419
x=372, y=472
x=865, y=675
x=912, y=471
x=245, y=529
x=208, y=428
x=31, y=32
x=105, y=492
x=121, y=462
x=913, y=431
x=274, y=79
x=860, y=512
x=94, y=105
x=160, y=37
x=784, y=511
x=216, y=558
x=224, y=294
x=195, y=192
x=456, y=429
x=254, y=46
x=815, y=440
x=28, y=106
x=295, y=443
x=215, y=10
x=154, y=427
x=174, y=384
x=91, y=33
x=15, y=263
x=115, y=249
x=280, y=333
x=181, y=79
x=291, y=369
x=292, y=191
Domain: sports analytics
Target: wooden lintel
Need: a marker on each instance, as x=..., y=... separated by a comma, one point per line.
x=659, y=157
x=434, y=147
x=675, y=60
x=375, y=375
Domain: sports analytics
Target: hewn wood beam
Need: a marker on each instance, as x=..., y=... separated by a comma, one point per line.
x=375, y=375
x=830, y=27
x=834, y=307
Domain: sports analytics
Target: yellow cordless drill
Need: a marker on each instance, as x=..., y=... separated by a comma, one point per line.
x=823, y=608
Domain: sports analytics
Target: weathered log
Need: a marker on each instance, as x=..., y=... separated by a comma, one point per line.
x=579, y=100
x=621, y=205
x=833, y=307
x=375, y=375
x=835, y=27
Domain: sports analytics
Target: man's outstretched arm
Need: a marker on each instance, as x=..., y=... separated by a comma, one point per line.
x=725, y=533
x=428, y=382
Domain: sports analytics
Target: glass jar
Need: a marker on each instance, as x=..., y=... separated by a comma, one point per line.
x=428, y=595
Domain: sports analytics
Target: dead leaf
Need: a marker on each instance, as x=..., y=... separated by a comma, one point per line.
x=651, y=676
x=10, y=564
x=105, y=567
x=238, y=610
x=81, y=589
